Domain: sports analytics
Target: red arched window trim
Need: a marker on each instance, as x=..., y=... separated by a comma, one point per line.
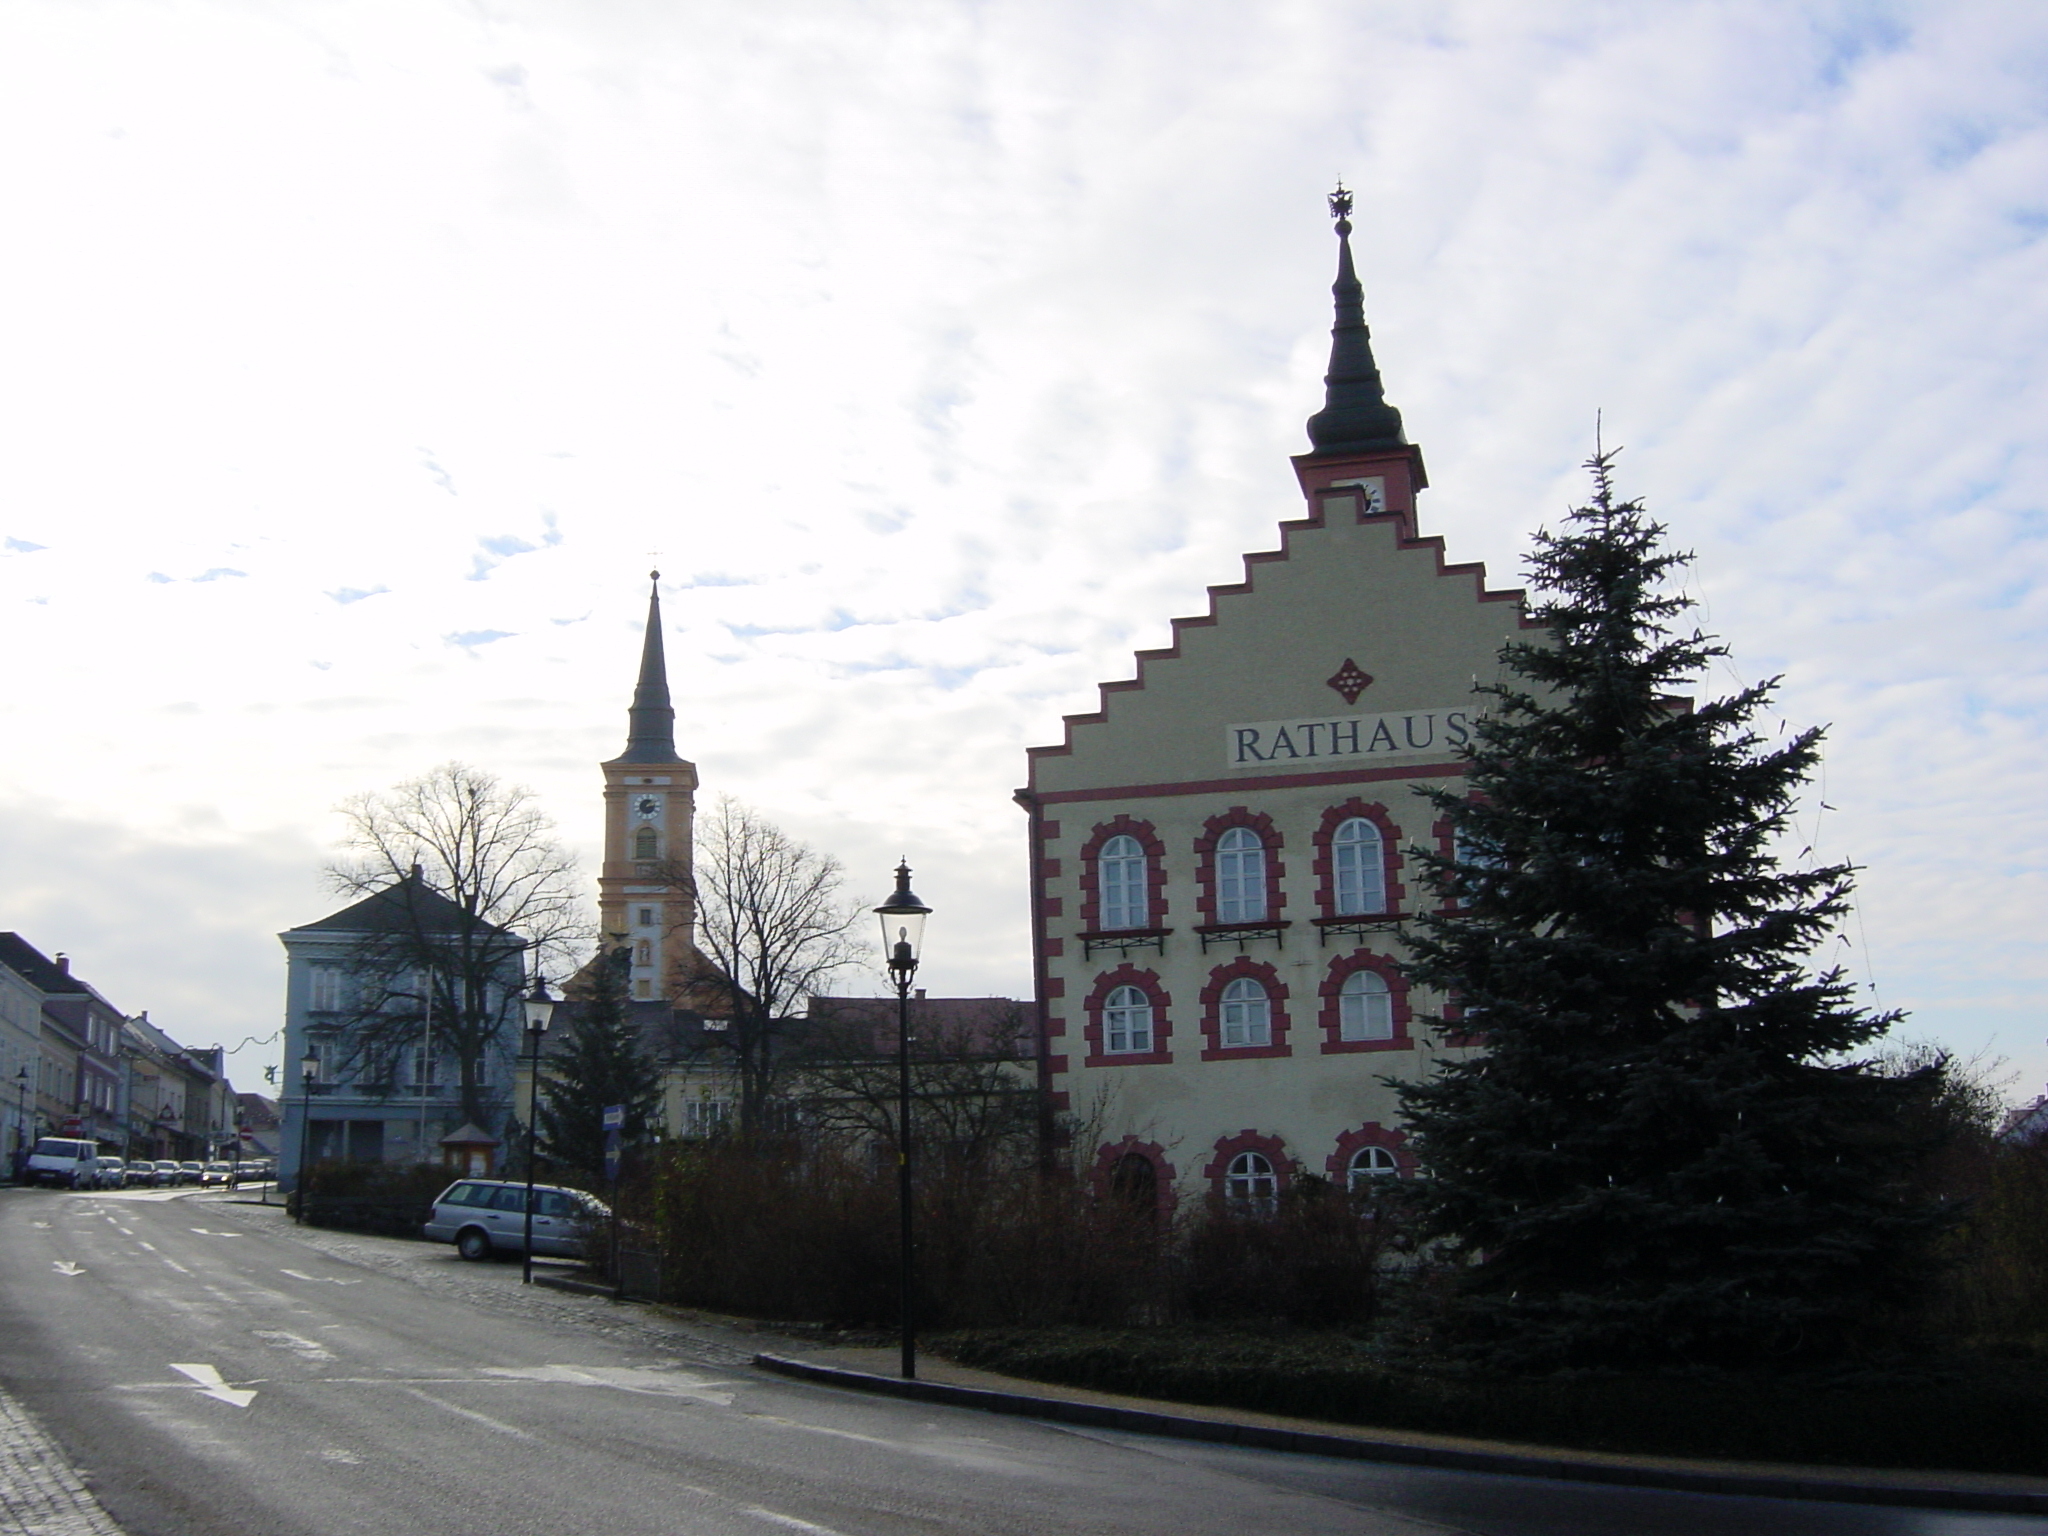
x=1155, y=871
x=1212, y=1011
x=1205, y=860
x=1249, y=1140
x=1331, y=1017
x=1113, y=1152
x=1370, y=1134
x=1146, y=982
x=1324, y=866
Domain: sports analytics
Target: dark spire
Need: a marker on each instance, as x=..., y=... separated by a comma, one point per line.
x=651, y=733
x=1355, y=416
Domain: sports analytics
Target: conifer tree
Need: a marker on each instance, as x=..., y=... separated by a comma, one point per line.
x=599, y=1064
x=1667, y=1150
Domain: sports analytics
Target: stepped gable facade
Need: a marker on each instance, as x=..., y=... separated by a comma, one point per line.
x=1219, y=854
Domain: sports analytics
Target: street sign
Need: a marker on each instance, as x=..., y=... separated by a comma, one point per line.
x=614, y=1138
x=615, y=1117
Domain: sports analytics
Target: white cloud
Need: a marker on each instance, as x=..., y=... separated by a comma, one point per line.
x=939, y=354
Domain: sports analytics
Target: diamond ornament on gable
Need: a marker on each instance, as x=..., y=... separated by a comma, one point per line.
x=1350, y=680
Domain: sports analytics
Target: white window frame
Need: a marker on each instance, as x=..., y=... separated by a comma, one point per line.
x=1244, y=1015
x=1368, y=1164
x=1122, y=883
x=324, y=988
x=1365, y=1007
x=1359, y=858
x=1240, y=877
x=1251, y=1181
x=1127, y=1022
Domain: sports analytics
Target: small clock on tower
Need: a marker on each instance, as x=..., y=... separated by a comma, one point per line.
x=646, y=807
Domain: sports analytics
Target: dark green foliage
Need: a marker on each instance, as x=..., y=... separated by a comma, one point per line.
x=600, y=1063
x=1666, y=1153
x=1986, y=1421
x=391, y=1199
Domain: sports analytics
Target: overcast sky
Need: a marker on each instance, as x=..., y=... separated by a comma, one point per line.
x=357, y=360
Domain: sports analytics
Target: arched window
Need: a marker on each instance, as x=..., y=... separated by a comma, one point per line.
x=1369, y=1163
x=1365, y=1007
x=1250, y=1181
x=1126, y=1022
x=643, y=844
x=1120, y=876
x=1134, y=1183
x=1240, y=877
x=1247, y=1014
x=1361, y=868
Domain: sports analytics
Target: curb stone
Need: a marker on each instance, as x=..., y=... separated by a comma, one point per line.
x=1310, y=1443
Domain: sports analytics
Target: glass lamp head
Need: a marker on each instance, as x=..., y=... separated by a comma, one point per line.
x=539, y=1006
x=902, y=917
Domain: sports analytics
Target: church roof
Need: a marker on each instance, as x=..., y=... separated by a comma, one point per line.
x=409, y=905
x=651, y=722
x=1355, y=417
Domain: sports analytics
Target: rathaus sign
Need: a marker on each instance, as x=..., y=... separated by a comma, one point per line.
x=1402, y=733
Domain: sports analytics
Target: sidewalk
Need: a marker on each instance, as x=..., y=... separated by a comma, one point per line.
x=875, y=1370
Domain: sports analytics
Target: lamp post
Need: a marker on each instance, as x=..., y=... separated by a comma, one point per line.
x=540, y=1008
x=309, y=1074
x=903, y=918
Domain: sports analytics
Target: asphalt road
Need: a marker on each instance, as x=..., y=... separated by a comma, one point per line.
x=215, y=1372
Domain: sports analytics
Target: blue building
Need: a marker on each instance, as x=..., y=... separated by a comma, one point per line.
x=415, y=1060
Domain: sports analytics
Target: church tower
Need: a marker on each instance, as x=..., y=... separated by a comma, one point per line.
x=643, y=891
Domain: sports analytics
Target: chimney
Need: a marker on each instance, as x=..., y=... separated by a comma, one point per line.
x=918, y=994
x=63, y=963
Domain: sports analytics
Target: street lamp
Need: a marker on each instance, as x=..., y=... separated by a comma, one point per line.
x=903, y=918
x=540, y=1009
x=21, y=1123
x=309, y=1074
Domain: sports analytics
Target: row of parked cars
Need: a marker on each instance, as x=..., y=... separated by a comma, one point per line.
x=73, y=1164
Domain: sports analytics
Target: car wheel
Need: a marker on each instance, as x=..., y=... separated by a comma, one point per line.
x=473, y=1243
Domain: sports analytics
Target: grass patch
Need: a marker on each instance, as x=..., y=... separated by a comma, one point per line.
x=1989, y=1417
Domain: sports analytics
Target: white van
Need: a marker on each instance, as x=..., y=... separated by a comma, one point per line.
x=63, y=1162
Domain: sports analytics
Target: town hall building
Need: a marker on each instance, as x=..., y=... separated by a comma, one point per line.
x=1220, y=874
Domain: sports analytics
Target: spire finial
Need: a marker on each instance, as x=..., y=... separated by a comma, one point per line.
x=1355, y=416
x=651, y=728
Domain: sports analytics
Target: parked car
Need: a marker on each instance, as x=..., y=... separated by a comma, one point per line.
x=112, y=1173
x=195, y=1173
x=141, y=1172
x=222, y=1174
x=169, y=1173
x=64, y=1162
x=482, y=1217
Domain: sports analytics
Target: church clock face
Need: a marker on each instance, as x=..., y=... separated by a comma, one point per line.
x=646, y=807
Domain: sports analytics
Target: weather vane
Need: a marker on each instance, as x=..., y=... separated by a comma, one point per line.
x=1340, y=208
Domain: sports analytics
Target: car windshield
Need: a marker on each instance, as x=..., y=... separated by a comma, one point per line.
x=50, y=1147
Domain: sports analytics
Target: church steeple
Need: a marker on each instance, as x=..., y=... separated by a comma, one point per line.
x=651, y=732
x=1355, y=417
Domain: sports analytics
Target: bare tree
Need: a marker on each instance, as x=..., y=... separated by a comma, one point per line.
x=973, y=1088
x=463, y=879
x=772, y=928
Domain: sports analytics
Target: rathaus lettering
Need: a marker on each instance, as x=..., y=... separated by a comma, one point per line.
x=1402, y=733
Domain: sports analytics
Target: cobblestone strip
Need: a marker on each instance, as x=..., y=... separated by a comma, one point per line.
x=40, y=1494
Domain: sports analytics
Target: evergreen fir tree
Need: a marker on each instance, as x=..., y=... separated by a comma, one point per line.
x=600, y=1063
x=1667, y=1152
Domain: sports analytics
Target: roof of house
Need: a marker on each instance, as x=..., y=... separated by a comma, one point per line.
x=35, y=967
x=408, y=905
x=995, y=1025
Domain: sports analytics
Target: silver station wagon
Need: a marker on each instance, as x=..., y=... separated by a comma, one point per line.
x=486, y=1216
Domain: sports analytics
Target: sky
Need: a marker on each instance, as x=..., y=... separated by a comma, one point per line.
x=358, y=360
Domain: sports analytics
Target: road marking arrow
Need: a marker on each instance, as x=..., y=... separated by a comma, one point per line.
x=210, y=1385
x=66, y=1267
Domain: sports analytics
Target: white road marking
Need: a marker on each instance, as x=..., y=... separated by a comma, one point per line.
x=124, y=1231
x=787, y=1522
x=467, y=1413
x=43, y=1224
x=345, y=1458
x=210, y=1385
x=652, y=1381
x=66, y=1267
x=317, y=1279
x=204, y=1233
x=181, y=1269
x=152, y=1246
x=305, y=1349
